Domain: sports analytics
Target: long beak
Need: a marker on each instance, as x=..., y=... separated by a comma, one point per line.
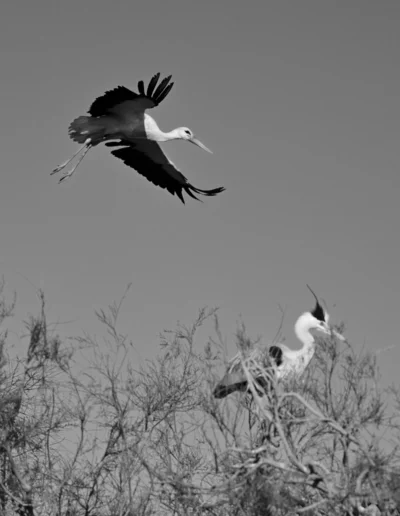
x=338, y=335
x=330, y=331
x=199, y=144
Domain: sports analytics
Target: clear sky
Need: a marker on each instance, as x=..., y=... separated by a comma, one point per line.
x=300, y=102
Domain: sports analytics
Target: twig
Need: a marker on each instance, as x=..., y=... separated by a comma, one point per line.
x=312, y=506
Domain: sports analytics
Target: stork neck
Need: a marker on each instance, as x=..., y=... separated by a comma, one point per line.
x=153, y=132
x=302, y=332
x=171, y=135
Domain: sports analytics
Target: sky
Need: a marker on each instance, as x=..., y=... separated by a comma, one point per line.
x=299, y=102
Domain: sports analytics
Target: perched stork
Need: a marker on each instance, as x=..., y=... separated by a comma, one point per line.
x=285, y=361
x=120, y=115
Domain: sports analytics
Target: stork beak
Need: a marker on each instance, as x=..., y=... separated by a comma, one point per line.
x=338, y=335
x=330, y=331
x=199, y=144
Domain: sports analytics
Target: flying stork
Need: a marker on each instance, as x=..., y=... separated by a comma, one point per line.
x=120, y=115
x=285, y=361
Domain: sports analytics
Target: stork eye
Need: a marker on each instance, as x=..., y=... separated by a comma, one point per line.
x=188, y=132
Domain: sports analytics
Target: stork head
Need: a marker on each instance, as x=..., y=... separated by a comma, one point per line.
x=185, y=133
x=318, y=319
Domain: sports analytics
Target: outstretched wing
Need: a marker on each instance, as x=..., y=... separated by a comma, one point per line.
x=147, y=158
x=120, y=100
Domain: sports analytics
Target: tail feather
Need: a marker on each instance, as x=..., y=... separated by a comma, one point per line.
x=85, y=127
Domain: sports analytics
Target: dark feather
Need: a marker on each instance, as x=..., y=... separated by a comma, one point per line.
x=160, y=89
x=275, y=352
x=147, y=158
x=228, y=385
x=237, y=382
x=319, y=313
x=162, y=95
x=235, y=378
x=152, y=85
x=141, y=88
x=101, y=105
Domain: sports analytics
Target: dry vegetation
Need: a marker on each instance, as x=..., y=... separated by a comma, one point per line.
x=87, y=432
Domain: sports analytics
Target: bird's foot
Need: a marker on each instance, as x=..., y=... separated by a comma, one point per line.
x=85, y=149
x=59, y=168
x=66, y=175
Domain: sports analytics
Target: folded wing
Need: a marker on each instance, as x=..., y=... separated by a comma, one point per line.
x=235, y=378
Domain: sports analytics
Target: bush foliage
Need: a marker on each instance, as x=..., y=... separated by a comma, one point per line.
x=84, y=431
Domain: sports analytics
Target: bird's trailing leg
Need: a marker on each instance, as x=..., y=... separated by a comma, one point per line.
x=85, y=148
x=72, y=170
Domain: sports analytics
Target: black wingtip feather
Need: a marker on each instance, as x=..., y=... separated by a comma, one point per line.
x=208, y=193
x=191, y=190
x=179, y=194
x=162, y=96
x=152, y=84
x=193, y=196
x=158, y=95
x=141, y=88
